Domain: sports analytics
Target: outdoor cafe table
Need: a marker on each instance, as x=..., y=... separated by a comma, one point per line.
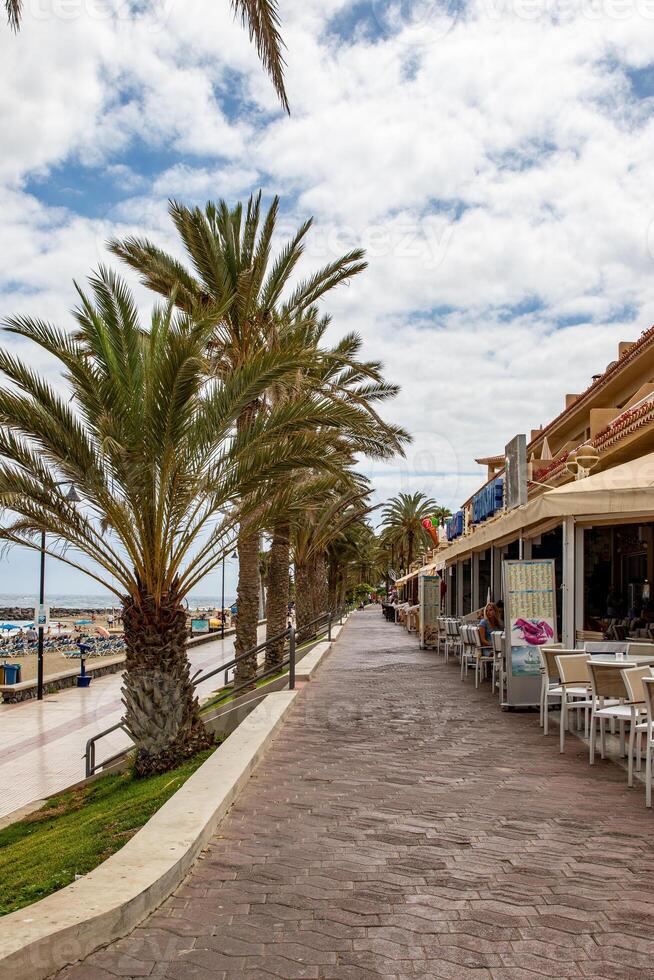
x=637, y=660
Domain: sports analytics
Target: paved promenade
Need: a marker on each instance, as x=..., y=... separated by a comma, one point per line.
x=43, y=742
x=402, y=826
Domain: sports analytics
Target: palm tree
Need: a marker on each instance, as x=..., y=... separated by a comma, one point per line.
x=336, y=374
x=323, y=524
x=259, y=17
x=441, y=514
x=235, y=281
x=352, y=558
x=402, y=519
x=149, y=439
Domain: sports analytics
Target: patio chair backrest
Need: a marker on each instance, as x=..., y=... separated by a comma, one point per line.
x=633, y=678
x=497, y=637
x=648, y=687
x=605, y=646
x=572, y=668
x=640, y=649
x=606, y=681
x=466, y=638
x=475, y=637
x=548, y=655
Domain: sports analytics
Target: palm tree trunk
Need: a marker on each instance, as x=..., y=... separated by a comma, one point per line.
x=247, y=602
x=278, y=593
x=162, y=713
x=319, y=583
x=247, y=589
x=332, y=585
x=303, y=597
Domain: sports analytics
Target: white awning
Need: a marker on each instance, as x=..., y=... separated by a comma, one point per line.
x=620, y=490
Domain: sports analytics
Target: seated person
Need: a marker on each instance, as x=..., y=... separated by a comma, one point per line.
x=487, y=625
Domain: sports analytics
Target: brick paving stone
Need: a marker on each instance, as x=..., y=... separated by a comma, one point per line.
x=402, y=826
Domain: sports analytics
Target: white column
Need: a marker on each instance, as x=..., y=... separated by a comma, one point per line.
x=579, y=578
x=568, y=604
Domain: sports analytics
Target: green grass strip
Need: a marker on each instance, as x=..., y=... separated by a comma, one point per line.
x=78, y=830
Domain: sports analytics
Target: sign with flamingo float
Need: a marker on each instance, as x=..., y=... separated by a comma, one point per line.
x=530, y=610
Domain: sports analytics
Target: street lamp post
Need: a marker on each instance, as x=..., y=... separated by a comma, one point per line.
x=73, y=497
x=222, y=608
x=222, y=604
x=39, y=664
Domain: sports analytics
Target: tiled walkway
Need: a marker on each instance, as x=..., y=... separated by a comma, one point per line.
x=403, y=826
x=42, y=742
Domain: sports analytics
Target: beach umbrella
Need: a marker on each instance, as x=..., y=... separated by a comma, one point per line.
x=8, y=626
x=83, y=622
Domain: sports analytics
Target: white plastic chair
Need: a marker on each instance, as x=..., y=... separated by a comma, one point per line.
x=608, y=697
x=633, y=678
x=574, y=683
x=648, y=686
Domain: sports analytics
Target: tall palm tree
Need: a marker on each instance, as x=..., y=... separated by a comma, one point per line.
x=402, y=519
x=149, y=439
x=259, y=17
x=247, y=291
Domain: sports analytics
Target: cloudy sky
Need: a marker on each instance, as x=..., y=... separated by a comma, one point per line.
x=494, y=157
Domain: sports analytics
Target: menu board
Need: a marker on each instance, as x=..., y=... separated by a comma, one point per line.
x=530, y=610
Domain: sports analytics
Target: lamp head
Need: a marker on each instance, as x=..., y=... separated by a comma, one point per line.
x=571, y=463
x=588, y=457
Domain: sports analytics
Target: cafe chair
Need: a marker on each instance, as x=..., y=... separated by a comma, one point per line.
x=573, y=681
x=648, y=686
x=453, y=642
x=499, y=662
x=550, y=682
x=608, y=697
x=441, y=635
x=468, y=650
x=633, y=678
x=484, y=656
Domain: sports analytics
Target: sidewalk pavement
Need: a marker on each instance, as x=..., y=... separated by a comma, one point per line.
x=43, y=742
x=401, y=825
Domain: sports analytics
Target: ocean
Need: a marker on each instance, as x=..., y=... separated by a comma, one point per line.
x=98, y=601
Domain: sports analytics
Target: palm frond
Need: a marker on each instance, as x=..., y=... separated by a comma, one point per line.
x=261, y=18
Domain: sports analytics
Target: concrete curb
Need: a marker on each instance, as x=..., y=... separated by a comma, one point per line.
x=110, y=901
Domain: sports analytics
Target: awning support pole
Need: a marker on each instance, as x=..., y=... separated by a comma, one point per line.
x=568, y=603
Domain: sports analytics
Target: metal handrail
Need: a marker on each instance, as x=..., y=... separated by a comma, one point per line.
x=197, y=678
x=89, y=752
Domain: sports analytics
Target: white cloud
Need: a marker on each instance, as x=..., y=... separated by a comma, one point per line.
x=493, y=165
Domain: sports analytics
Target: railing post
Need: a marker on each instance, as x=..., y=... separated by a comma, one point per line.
x=90, y=758
x=291, y=659
x=329, y=628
